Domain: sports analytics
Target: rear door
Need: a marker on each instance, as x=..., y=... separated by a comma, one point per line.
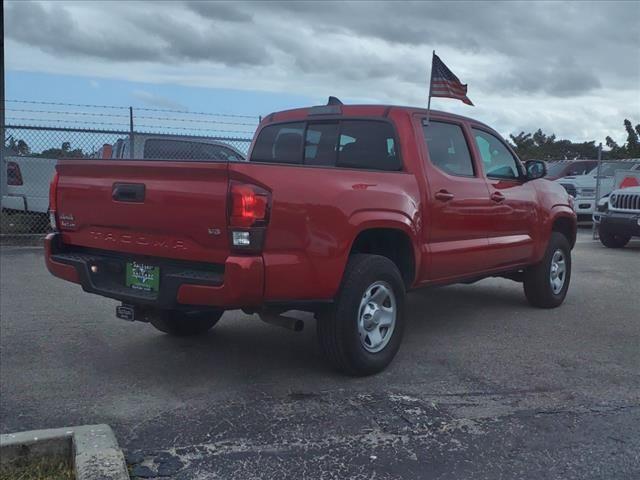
x=164, y=209
x=513, y=205
x=458, y=215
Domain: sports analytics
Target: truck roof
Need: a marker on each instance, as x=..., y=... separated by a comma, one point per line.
x=364, y=110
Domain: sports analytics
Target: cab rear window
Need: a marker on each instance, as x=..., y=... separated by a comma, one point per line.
x=360, y=144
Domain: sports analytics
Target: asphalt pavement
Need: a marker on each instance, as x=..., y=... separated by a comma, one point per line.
x=484, y=386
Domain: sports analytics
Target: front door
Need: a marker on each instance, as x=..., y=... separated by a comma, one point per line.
x=458, y=213
x=513, y=202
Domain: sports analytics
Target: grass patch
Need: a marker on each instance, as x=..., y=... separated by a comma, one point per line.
x=37, y=470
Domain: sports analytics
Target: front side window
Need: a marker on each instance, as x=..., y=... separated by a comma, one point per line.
x=448, y=149
x=497, y=159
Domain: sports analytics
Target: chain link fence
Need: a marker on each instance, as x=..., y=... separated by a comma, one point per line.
x=36, y=137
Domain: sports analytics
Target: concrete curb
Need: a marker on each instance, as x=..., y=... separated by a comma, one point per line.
x=94, y=449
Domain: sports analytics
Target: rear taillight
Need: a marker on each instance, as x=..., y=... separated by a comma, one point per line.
x=14, y=175
x=53, y=201
x=249, y=207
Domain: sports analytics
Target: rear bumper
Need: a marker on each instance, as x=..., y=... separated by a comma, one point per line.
x=237, y=283
x=621, y=223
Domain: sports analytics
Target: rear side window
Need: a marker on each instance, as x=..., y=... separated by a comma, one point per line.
x=368, y=145
x=165, y=149
x=279, y=144
x=448, y=149
x=363, y=144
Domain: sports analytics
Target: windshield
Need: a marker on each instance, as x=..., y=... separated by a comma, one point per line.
x=609, y=169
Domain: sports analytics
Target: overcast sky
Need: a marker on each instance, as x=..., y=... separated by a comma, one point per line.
x=571, y=68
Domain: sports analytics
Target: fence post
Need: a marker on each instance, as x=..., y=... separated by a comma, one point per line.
x=3, y=168
x=131, y=134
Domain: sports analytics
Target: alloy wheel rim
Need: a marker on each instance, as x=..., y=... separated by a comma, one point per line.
x=558, y=271
x=377, y=316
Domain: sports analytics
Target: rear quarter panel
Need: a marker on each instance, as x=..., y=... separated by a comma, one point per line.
x=316, y=215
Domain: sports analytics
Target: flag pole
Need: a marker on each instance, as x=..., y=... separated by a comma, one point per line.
x=430, y=83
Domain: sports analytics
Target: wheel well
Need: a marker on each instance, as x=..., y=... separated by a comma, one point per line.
x=566, y=227
x=391, y=243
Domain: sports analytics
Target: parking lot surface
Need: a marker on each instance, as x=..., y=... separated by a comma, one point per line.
x=484, y=386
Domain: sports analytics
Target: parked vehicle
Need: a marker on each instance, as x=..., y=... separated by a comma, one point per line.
x=339, y=211
x=621, y=220
x=175, y=147
x=583, y=187
x=28, y=181
x=563, y=168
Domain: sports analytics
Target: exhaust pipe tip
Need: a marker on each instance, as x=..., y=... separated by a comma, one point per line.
x=293, y=324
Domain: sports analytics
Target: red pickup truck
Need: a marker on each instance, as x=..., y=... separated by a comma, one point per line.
x=339, y=211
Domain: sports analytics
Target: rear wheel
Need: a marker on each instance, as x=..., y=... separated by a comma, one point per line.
x=612, y=240
x=180, y=324
x=546, y=283
x=362, y=332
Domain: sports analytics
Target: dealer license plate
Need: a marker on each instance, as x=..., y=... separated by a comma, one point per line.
x=143, y=277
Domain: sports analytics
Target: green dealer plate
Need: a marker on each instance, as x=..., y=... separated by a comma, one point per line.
x=143, y=277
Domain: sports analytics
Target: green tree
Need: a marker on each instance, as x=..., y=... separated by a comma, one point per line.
x=540, y=146
x=63, y=152
x=19, y=147
x=631, y=149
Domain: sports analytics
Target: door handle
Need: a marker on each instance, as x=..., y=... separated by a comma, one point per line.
x=497, y=197
x=444, y=195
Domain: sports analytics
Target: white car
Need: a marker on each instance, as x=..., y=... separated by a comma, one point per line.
x=175, y=147
x=28, y=180
x=583, y=187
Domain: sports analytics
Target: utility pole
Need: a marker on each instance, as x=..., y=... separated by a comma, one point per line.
x=131, y=134
x=3, y=167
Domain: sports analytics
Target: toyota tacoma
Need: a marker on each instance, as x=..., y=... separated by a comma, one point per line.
x=339, y=211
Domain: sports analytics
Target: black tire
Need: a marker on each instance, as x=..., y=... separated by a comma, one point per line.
x=612, y=240
x=181, y=324
x=537, y=283
x=338, y=328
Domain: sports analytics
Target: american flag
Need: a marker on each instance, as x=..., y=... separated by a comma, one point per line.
x=445, y=84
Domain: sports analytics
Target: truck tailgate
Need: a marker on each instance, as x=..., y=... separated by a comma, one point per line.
x=152, y=208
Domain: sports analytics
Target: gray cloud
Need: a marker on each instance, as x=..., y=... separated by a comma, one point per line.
x=54, y=30
x=139, y=35
x=552, y=49
x=220, y=11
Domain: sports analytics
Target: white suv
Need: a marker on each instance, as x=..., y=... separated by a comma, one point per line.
x=621, y=221
x=583, y=187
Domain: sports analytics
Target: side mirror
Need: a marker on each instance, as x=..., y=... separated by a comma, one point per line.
x=535, y=169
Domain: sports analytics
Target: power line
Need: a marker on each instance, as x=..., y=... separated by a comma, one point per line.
x=83, y=122
x=191, y=129
x=112, y=115
x=61, y=112
x=16, y=120
x=144, y=109
x=196, y=121
x=65, y=104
